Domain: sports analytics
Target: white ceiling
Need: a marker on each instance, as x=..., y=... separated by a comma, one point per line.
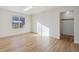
x=20, y=9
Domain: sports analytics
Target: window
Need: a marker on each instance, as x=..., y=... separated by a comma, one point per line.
x=18, y=22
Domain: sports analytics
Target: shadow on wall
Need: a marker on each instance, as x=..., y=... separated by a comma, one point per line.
x=42, y=29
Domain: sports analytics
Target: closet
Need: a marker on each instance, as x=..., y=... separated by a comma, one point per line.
x=67, y=23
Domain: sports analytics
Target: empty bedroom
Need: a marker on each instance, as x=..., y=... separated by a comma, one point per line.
x=39, y=28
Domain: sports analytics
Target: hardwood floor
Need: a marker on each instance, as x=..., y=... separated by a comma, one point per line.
x=34, y=43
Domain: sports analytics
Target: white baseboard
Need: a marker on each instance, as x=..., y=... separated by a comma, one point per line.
x=76, y=42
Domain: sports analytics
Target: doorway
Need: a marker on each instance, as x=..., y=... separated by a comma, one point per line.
x=67, y=25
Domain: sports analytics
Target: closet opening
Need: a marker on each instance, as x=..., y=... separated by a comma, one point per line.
x=67, y=25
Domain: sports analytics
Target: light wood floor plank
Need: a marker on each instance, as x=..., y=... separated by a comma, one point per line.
x=32, y=42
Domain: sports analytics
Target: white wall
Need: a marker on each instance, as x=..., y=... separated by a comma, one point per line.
x=6, y=24
x=67, y=27
x=51, y=19
x=76, y=26
x=67, y=14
